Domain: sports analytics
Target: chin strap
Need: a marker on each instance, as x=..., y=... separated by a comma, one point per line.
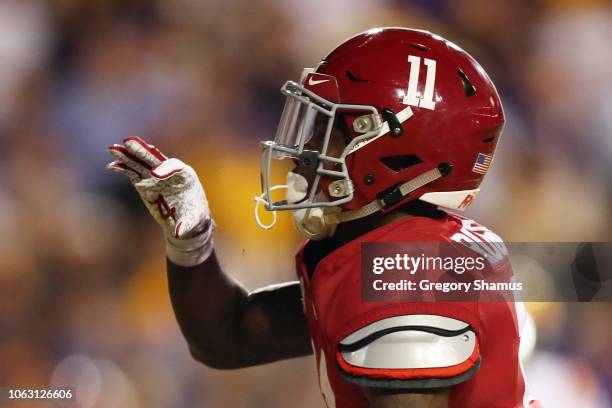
x=260, y=200
x=392, y=197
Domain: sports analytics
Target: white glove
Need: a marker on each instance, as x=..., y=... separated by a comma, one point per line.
x=173, y=195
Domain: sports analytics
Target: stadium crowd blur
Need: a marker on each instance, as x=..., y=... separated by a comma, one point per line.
x=83, y=297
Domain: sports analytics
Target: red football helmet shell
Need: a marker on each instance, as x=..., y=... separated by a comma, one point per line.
x=373, y=68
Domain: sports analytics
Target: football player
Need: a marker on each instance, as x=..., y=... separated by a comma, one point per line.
x=392, y=126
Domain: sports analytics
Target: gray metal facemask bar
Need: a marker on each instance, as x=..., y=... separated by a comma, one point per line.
x=312, y=101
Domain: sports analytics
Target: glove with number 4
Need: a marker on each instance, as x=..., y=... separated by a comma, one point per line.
x=173, y=195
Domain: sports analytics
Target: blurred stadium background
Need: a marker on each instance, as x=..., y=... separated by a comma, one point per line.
x=83, y=296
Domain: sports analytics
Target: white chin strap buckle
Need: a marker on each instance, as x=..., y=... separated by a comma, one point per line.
x=297, y=187
x=260, y=200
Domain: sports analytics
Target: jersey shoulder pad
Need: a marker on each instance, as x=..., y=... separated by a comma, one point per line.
x=410, y=351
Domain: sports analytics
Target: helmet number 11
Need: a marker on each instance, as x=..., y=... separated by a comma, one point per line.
x=412, y=97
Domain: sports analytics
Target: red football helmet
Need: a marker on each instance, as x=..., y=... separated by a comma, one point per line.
x=420, y=118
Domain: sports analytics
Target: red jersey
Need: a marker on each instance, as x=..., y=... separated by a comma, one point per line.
x=334, y=309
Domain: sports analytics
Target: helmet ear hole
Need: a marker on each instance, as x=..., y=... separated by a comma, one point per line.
x=401, y=162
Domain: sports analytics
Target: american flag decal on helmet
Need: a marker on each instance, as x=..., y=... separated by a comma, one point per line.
x=483, y=161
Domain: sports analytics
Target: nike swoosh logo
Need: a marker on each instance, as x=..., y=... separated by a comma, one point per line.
x=312, y=82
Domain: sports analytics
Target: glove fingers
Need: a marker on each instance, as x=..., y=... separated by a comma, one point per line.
x=133, y=162
x=121, y=168
x=144, y=151
x=167, y=169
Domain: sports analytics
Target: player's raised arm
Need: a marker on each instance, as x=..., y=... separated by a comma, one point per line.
x=225, y=325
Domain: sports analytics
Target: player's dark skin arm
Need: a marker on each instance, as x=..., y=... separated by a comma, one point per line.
x=379, y=398
x=227, y=327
